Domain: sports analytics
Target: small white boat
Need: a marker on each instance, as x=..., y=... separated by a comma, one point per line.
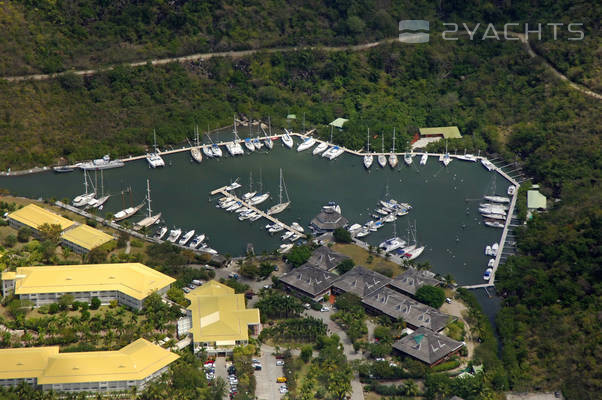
x=287, y=140
x=390, y=218
x=233, y=185
x=207, y=151
x=161, y=232
x=407, y=158
x=494, y=248
x=258, y=199
x=494, y=224
x=446, y=159
x=254, y=217
x=174, y=235
x=242, y=210
x=245, y=215
x=297, y=227
x=414, y=254
x=488, y=251
x=487, y=274
x=197, y=241
x=284, y=248
x=487, y=164
x=295, y=237
x=363, y=232
x=354, y=228
x=226, y=204
x=501, y=217
x=307, y=143
x=258, y=144
x=249, y=144
x=491, y=262
x=275, y=228
x=494, y=206
x=196, y=154
x=382, y=211
x=393, y=161
x=382, y=160
x=424, y=159
x=216, y=150
x=208, y=250
x=187, y=236
x=287, y=235
x=497, y=199
x=234, y=206
x=248, y=195
x=368, y=159
x=320, y=148
x=511, y=190
x=337, y=151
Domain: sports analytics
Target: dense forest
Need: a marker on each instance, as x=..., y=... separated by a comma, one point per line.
x=503, y=101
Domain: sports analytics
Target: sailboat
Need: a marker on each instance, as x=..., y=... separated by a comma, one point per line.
x=445, y=158
x=150, y=218
x=249, y=141
x=393, y=243
x=368, y=158
x=269, y=143
x=417, y=251
x=127, y=212
x=393, y=157
x=103, y=198
x=407, y=158
x=424, y=159
x=250, y=193
x=261, y=197
x=234, y=147
x=154, y=159
x=195, y=151
x=382, y=159
x=287, y=139
x=281, y=205
x=84, y=199
x=307, y=143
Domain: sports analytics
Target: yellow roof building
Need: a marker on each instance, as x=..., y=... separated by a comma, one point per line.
x=34, y=216
x=219, y=316
x=86, y=237
x=134, y=279
x=135, y=361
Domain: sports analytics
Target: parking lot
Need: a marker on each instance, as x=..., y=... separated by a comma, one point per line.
x=267, y=388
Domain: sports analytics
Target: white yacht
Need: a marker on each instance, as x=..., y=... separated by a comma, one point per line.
x=320, y=148
x=234, y=206
x=161, y=232
x=101, y=163
x=174, y=235
x=382, y=159
x=487, y=164
x=368, y=157
x=297, y=227
x=234, y=147
x=249, y=195
x=498, y=199
x=197, y=241
x=393, y=161
x=258, y=199
x=413, y=254
x=233, y=185
x=216, y=150
x=445, y=158
x=467, y=157
x=269, y=143
x=207, y=151
x=307, y=143
x=363, y=232
x=285, y=248
x=424, y=159
x=187, y=236
x=333, y=152
x=487, y=274
x=207, y=250
x=494, y=224
x=249, y=144
x=287, y=235
x=500, y=217
x=195, y=151
x=257, y=143
x=287, y=139
x=126, y=213
x=275, y=228
x=392, y=244
x=354, y=228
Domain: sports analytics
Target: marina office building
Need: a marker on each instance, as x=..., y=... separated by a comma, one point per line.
x=99, y=371
x=129, y=284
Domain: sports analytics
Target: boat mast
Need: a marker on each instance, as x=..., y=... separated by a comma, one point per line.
x=394, y=140
x=260, y=183
x=250, y=181
x=368, y=140
x=304, y=123
x=148, y=198
x=280, y=194
x=331, y=127
x=285, y=191
x=155, y=139
x=383, y=143
x=102, y=183
x=85, y=182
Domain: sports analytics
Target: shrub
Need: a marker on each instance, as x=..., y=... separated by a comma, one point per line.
x=10, y=240
x=430, y=295
x=23, y=234
x=94, y=303
x=345, y=266
x=342, y=235
x=446, y=366
x=306, y=353
x=53, y=308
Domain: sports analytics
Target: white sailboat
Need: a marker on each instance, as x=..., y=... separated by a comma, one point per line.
x=103, y=197
x=382, y=159
x=287, y=139
x=498, y=199
x=307, y=143
x=195, y=151
x=83, y=199
x=234, y=147
x=368, y=158
x=424, y=159
x=393, y=161
x=126, y=213
x=445, y=158
x=150, y=218
x=269, y=143
x=281, y=206
x=154, y=159
x=250, y=194
x=416, y=251
x=320, y=148
x=261, y=197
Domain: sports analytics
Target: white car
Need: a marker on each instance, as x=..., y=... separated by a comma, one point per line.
x=325, y=309
x=283, y=389
x=279, y=363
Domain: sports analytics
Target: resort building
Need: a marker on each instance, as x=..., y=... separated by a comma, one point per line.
x=309, y=280
x=98, y=371
x=428, y=346
x=327, y=221
x=218, y=318
x=32, y=217
x=400, y=307
x=359, y=281
x=129, y=284
x=430, y=135
x=412, y=279
x=83, y=238
x=326, y=259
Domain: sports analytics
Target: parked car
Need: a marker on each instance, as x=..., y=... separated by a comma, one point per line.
x=324, y=309
x=279, y=363
x=448, y=300
x=307, y=306
x=186, y=290
x=283, y=389
x=281, y=379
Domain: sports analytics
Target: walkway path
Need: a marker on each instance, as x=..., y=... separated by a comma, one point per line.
x=244, y=53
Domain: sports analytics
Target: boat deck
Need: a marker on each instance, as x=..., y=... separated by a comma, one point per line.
x=222, y=190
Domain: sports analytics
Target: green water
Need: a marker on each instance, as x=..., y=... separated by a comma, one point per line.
x=445, y=200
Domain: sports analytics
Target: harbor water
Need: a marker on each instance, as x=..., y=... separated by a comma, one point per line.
x=445, y=200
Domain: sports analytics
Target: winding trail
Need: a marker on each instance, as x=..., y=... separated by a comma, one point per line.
x=244, y=53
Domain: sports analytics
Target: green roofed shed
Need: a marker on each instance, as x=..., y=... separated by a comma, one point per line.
x=536, y=200
x=448, y=132
x=338, y=123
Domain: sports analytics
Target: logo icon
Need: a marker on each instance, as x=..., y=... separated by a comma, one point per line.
x=409, y=28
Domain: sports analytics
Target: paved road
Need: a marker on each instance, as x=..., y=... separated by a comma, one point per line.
x=267, y=388
x=244, y=53
x=221, y=372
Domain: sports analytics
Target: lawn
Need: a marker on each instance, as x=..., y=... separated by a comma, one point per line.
x=361, y=257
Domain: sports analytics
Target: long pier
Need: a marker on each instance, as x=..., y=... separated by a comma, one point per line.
x=222, y=190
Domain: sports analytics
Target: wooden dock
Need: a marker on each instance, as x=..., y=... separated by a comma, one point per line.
x=222, y=190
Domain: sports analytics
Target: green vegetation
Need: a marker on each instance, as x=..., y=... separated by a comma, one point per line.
x=345, y=266
x=351, y=316
x=298, y=255
x=342, y=235
x=276, y=305
x=304, y=330
x=431, y=295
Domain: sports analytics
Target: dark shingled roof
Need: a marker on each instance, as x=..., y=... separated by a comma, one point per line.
x=361, y=281
x=329, y=220
x=309, y=279
x=399, y=306
x=412, y=279
x=325, y=258
x=426, y=345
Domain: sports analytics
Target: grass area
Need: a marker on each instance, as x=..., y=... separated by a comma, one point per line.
x=370, y=261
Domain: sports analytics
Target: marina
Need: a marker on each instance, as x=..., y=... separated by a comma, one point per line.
x=452, y=230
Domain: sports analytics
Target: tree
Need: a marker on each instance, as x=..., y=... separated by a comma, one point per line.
x=10, y=240
x=18, y=308
x=342, y=235
x=306, y=353
x=65, y=301
x=94, y=303
x=97, y=255
x=298, y=255
x=23, y=234
x=345, y=265
x=431, y=295
x=51, y=232
x=265, y=269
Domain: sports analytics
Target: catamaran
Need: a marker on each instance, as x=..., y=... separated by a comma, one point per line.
x=368, y=157
x=281, y=206
x=424, y=159
x=195, y=151
x=150, y=218
x=287, y=139
x=187, y=236
x=174, y=235
x=335, y=151
x=154, y=159
x=307, y=143
x=382, y=159
x=393, y=157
